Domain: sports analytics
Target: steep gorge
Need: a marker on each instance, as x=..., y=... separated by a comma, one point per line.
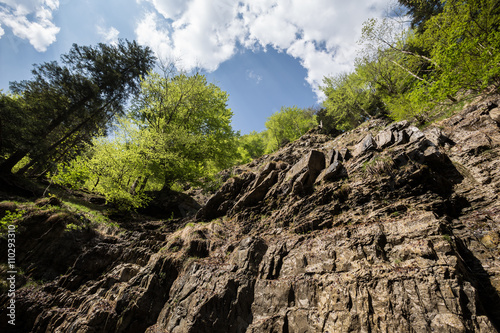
x=386, y=228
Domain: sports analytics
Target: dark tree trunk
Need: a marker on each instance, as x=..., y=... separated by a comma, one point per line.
x=9, y=163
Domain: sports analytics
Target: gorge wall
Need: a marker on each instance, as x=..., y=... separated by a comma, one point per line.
x=386, y=228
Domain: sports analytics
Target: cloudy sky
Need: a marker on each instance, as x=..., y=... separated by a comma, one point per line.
x=265, y=53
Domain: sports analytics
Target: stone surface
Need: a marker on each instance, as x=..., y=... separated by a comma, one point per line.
x=368, y=143
x=384, y=139
x=408, y=242
x=495, y=114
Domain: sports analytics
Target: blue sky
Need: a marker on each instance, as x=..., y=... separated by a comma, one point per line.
x=265, y=53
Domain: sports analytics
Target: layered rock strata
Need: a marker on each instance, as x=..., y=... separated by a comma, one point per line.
x=387, y=228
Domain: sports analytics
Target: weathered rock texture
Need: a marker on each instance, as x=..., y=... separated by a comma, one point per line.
x=386, y=228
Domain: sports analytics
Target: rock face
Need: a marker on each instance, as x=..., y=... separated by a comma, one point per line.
x=386, y=228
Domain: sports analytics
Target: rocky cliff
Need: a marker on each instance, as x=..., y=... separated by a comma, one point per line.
x=387, y=228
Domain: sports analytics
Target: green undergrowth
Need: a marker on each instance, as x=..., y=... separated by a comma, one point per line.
x=84, y=216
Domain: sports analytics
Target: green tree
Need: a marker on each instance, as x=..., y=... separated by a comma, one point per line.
x=464, y=43
x=119, y=167
x=351, y=99
x=73, y=101
x=287, y=125
x=456, y=50
x=421, y=11
x=179, y=131
x=251, y=146
x=189, y=124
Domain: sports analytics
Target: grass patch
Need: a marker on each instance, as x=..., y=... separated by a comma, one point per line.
x=447, y=238
x=94, y=216
x=378, y=165
x=10, y=218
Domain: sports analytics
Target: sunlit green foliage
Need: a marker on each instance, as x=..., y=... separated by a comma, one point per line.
x=464, y=44
x=251, y=146
x=351, y=100
x=188, y=124
x=10, y=218
x=287, y=125
x=453, y=49
x=179, y=131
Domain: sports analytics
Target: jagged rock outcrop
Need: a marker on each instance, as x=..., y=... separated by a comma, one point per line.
x=387, y=228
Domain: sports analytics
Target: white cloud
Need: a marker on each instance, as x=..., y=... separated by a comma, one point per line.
x=321, y=34
x=150, y=33
x=39, y=29
x=253, y=76
x=109, y=35
x=170, y=9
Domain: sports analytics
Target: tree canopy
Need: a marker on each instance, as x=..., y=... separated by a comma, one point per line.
x=288, y=124
x=67, y=103
x=179, y=130
x=453, y=48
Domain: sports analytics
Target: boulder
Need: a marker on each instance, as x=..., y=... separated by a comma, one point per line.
x=345, y=154
x=228, y=191
x=267, y=169
x=414, y=134
x=436, y=136
x=399, y=126
x=257, y=192
x=336, y=170
x=495, y=114
x=384, y=139
x=400, y=137
x=313, y=163
x=337, y=155
x=368, y=143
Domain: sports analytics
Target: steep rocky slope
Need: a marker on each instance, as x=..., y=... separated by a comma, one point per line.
x=386, y=228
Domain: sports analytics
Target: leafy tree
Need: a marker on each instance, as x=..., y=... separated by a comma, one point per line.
x=288, y=124
x=464, y=43
x=117, y=167
x=179, y=131
x=421, y=11
x=189, y=124
x=71, y=102
x=457, y=50
x=251, y=146
x=351, y=99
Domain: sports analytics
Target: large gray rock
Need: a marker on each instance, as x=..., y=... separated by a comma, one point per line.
x=384, y=139
x=495, y=114
x=367, y=144
x=436, y=136
x=257, y=192
x=219, y=204
x=336, y=170
x=414, y=133
x=313, y=163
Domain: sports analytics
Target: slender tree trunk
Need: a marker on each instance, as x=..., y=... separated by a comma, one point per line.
x=144, y=182
x=65, y=137
x=408, y=71
x=134, y=185
x=96, y=183
x=8, y=164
